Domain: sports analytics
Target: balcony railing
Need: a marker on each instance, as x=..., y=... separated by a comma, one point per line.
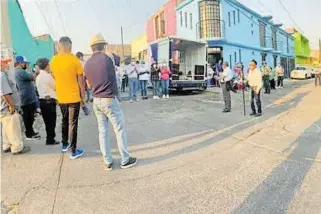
x=210, y=28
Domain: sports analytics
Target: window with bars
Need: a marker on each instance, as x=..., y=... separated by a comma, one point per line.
x=209, y=16
x=240, y=55
x=229, y=19
x=274, y=40
x=231, y=66
x=181, y=18
x=234, y=18
x=157, y=27
x=235, y=56
x=191, y=20
x=238, y=16
x=185, y=19
x=162, y=24
x=262, y=30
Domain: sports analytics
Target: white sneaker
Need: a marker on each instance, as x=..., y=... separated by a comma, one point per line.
x=164, y=96
x=130, y=100
x=154, y=97
x=167, y=96
x=157, y=97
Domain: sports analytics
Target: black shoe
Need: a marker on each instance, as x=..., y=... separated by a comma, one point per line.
x=52, y=143
x=7, y=150
x=226, y=111
x=131, y=162
x=109, y=167
x=24, y=150
x=258, y=115
x=252, y=114
x=34, y=137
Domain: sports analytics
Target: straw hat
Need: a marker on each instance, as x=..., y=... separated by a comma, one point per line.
x=97, y=39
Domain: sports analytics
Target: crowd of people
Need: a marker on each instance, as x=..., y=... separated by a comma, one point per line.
x=137, y=75
x=253, y=78
x=70, y=82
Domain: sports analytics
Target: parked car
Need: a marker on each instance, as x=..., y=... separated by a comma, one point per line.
x=301, y=72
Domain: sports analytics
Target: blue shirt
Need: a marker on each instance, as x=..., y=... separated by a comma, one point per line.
x=101, y=75
x=26, y=86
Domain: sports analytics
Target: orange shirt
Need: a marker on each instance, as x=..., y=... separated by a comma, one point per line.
x=66, y=68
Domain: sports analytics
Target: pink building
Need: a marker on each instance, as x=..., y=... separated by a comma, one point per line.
x=163, y=22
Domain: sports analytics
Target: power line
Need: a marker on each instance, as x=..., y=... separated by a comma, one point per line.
x=290, y=16
x=246, y=15
x=43, y=16
x=63, y=26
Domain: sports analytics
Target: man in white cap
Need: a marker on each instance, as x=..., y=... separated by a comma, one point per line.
x=101, y=78
x=10, y=119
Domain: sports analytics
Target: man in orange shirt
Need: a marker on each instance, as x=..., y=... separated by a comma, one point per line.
x=68, y=73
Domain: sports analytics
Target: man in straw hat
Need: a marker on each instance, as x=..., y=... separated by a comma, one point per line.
x=101, y=77
x=70, y=91
x=10, y=119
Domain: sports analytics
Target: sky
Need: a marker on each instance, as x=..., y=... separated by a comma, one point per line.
x=81, y=19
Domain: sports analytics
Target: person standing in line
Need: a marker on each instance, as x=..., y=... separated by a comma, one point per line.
x=155, y=78
x=255, y=83
x=35, y=71
x=280, y=76
x=70, y=90
x=143, y=79
x=266, y=77
x=226, y=78
x=133, y=82
x=101, y=77
x=124, y=80
x=165, y=73
x=272, y=77
x=25, y=82
x=84, y=107
x=10, y=119
x=317, y=76
x=210, y=74
x=47, y=97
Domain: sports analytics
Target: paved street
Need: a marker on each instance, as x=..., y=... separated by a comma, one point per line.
x=192, y=159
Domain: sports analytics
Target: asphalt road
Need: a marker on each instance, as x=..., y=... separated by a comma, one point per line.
x=192, y=159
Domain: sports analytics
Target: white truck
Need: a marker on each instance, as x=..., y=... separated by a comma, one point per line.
x=186, y=60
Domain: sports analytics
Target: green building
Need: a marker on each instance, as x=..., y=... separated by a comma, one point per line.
x=302, y=50
x=23, y=43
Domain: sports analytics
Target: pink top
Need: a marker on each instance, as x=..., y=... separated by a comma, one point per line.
x=165, y=72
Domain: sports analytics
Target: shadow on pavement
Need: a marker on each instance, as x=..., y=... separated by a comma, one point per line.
x=275, y=193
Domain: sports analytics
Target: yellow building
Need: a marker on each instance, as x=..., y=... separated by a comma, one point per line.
x=139, y=48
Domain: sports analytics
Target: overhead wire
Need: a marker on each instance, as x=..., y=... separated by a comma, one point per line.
x=251, y=19
x=46, y=21
x=294, y=22
x=59, y=14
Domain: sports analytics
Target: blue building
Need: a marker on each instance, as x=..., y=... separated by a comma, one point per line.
x=235, y=33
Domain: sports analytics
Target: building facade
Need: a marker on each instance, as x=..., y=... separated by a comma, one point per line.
x=31, y=47
x=302, y=50
x=163, y=22
x=124, y=51
x=139, y=48
x=235, y=33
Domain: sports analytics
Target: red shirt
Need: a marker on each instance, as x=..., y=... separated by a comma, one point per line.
x=165, y=72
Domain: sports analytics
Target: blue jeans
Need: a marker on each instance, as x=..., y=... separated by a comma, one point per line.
x=165, y=86
x=88, y=92
x=133, y=87
x=143, y=87
x=109, y=110
x=156, y=87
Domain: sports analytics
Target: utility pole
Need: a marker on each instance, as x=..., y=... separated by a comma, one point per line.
x=320, y=51
x=122, y=42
